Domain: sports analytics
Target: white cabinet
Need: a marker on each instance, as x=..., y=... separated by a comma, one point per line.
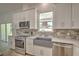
x=76, y=51
x=47, y=51
x=75, y=16
x=66, y=16
x=62, y=16
x=36, y=51
x=29, y=46
x=29, y=15
x=16, y=19
x=42, y=51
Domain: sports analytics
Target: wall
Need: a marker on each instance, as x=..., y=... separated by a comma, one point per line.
x=7, y=18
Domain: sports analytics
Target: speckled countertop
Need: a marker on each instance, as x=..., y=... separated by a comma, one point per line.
x=62, y=40
x=65, y=40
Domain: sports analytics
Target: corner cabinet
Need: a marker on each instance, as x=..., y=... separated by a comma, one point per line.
x=75, y=16
x=62, y=16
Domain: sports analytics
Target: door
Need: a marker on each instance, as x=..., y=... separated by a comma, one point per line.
x=62, y=17
x=3, y=32
x=9, y=30
x=6, y=30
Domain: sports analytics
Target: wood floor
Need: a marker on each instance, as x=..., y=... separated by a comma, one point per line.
x=12, y=53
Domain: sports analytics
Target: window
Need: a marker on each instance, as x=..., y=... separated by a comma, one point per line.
x=46, y=21
x=9, y=30
x=3, y=32
x=6, y=30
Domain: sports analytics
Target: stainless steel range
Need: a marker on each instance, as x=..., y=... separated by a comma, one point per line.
x=20, y=39
x=20, y=44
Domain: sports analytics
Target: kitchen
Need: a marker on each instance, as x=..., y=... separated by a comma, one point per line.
x=39, y=29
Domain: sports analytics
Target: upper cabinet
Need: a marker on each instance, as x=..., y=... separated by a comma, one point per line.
x=75, y=16
x=66, y=16
x=62, y=16
x=28, y=15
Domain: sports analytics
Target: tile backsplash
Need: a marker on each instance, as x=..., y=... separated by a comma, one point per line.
x=46, y=34
x=62, y=33
x=74, y=34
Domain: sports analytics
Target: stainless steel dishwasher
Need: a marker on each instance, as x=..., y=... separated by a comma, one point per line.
x=62, y=49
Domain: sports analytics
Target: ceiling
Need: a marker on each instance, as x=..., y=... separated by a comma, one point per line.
x=8, y=7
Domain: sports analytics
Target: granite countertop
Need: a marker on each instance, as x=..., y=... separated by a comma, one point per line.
x=62, y=40
x=65, y=40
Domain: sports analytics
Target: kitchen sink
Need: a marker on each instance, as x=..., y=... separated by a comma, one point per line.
x=42, y=41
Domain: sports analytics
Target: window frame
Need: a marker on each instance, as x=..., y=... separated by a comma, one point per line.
x=45, y=20
x=6, y=38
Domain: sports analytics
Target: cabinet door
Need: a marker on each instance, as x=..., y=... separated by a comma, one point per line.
x=75, y=16
x=16, y=19
x=29, y=45
x=42, y=51
x=76, y=51
x=37, y=50
x=62, y=17
x=31, y=15
x=47, y=51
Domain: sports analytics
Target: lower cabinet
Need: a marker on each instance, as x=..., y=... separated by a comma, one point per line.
x=76, y=51
x=62, y=49
x=36, y=51
x=29, y=46
x=42, y=51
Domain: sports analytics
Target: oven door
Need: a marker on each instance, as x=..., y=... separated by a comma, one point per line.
x=20, y=44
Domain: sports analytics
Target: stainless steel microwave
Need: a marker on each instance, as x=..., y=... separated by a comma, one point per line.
x=24, y=24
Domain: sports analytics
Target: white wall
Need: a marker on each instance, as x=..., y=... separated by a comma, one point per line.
x=5, y=18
